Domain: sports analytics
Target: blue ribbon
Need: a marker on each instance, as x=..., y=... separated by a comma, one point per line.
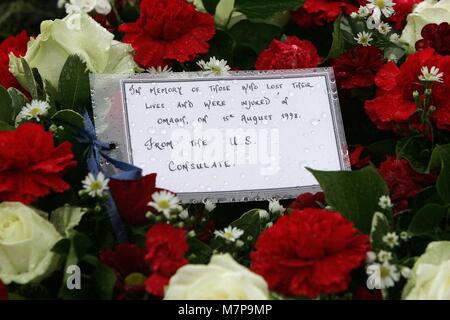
x=97, y=151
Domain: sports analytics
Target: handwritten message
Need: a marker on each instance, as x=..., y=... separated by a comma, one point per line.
x=237, y=134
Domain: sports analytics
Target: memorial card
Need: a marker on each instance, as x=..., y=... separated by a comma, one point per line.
x=242, y=137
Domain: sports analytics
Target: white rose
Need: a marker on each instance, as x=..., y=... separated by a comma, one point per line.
x=75, y=34
x=222, y=279
x=26, y=240
x=426, y=12
x=430, y=278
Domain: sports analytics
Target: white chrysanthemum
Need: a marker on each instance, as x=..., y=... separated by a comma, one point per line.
x=385, y=202
x=394, y=38
x=384, y=256
x=209, y=205
x=229, y=233
x=33, y=111
x=164, y=202
x=363, y=12
x=276, y=207
x=100, y=6
x=382, y=276
x=379, y=8
x=364, y=38
x=384, y=28
x=160, y=70
x=431, y=75
x=391, y=239
x=215, y=66
x=95, y=186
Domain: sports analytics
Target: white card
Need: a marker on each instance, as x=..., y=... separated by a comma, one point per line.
x=246, y=136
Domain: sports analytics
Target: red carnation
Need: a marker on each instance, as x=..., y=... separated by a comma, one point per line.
x=132, y=198
x=309, y=253
x=403, y=182
x=394, y=103
x=357, y=67
x=18, y=46
x=308, y=200
x=290, y=54
x=402, y=9
x=3, y=291
x=131, y=269
x=436, y=37
x=319, y=12
x=30, y=164
x=166, y=250
x=168, y=30
x=356, y=160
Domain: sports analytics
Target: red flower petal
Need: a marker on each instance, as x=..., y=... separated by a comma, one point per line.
x=166, y=31
x=30, y=165
x=309, y=252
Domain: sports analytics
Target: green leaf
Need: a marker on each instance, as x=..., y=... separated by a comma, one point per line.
x=73, y=88
x=380, y=226
x=18, y=101
x=68, y=119
x=210, y=6
x=250, y=223
x=263, y=9
x=6, y=107
x=66, y=218
x=39, y=84
x=338, y=45
x=6, y=126
x=221, y=46
x=441, y=157
x=256, y=36
x=30, y=84
x=355, y=194
x=416, y=150
x=104, y=279
x=79, y=246
x=199, y=252
x=428, y=220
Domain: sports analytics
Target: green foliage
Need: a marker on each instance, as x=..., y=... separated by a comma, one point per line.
x=256, y=36
x=210, y=6
x=18, y=101
x=355, y=194
x=380, y=226
x=199, y=252
x=6, y=107
x=104, y=279
x=429, y=221
x=33, y=82
x=263, y=9
x=441, y=158
x=74, y=90
x=338, y=45
x=250, y=223
x=415, y=149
